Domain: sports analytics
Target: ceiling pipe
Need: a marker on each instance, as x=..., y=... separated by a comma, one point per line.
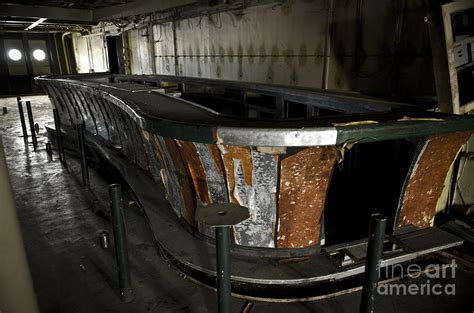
x=66, y=57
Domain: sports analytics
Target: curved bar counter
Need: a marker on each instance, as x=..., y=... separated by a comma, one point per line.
x=310, y=165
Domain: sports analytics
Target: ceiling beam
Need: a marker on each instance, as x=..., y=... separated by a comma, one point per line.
x=137, y=7
x=50, y=13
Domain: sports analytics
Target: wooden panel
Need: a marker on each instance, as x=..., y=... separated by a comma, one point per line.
x=304, y=182
x=427, y=177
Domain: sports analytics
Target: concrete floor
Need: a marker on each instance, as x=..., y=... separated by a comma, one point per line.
x=60, y=224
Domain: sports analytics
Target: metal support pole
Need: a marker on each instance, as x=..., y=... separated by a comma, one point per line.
x=121, y=253
x=222, y=216
x=49, y=150
x=22, y=118
x=223, y=268
x=82, y=153
x=372, y=263
x=59, y=137
x=32, y=124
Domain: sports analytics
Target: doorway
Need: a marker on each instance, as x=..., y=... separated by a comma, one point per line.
x=115, y=54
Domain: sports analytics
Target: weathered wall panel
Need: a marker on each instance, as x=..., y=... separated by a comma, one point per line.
x=252, y=182
x=428, y=175
x=90, y=53
x=138, y=51
x=304, y=183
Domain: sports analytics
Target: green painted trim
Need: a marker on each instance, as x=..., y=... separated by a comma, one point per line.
x=401, y=129
x=202, y=134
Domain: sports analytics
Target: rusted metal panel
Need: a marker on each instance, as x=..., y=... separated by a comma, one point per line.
x=213, y=170
x=195, y=169
x=427, y=176
x=304, y=183
x=231, y=154
x=206, y=174
x=252, y=182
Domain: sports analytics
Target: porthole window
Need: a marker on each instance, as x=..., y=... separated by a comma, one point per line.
x=39, y=55
x=15, y=55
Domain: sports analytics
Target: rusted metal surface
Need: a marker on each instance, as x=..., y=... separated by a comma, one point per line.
x=196, y=171
x=213, y=171
x=252, y=182
x=205, y=174
x=427, y=176
x=304, y=182
x=178, y=171
x=180, y=143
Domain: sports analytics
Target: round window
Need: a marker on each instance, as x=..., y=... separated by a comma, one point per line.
x=14, y=54
x=39, y=55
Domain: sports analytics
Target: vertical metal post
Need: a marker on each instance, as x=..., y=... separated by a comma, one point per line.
x=32, y=124
x=121, y=253
x=49, y=150
x=222, y=216
x=372, y=263
x=59, y=137
x=22, y=118
x=223, y=268
x=82, y=153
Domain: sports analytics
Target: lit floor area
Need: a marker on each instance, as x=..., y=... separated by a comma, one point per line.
x=72, y=273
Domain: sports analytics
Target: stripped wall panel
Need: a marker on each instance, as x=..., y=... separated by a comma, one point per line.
x=252, y=183
x=427, y=178
x=181, y=177
x=168, y=175
x=206, y=175
x=304, y=183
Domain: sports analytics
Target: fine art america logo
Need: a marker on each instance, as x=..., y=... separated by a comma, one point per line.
x=435, y=283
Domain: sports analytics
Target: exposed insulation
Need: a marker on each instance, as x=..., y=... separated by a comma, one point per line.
x=428, y=175
x=304, y=182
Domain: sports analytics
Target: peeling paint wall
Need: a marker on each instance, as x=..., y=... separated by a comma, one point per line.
x=90, y=53
x=268, y=43
x=285, y=43
x=138, y=50
x=365, y=46
x=425, y=182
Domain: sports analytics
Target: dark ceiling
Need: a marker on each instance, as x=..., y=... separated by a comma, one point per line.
x=76, y=4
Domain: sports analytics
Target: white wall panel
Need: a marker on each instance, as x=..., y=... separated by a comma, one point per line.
x=90, y=53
